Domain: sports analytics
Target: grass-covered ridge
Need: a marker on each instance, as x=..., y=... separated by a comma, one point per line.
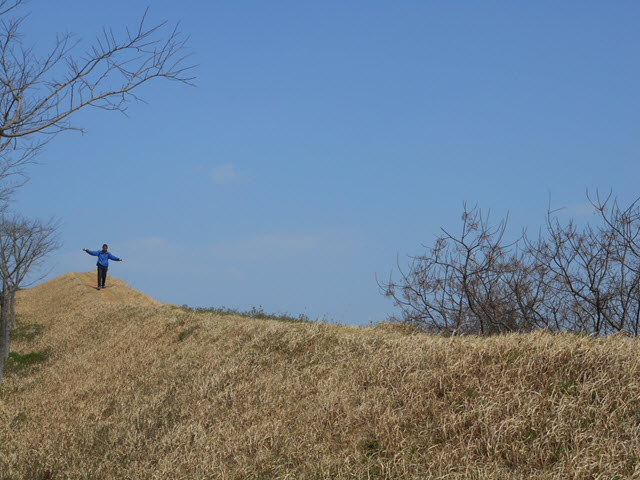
x=136, y=389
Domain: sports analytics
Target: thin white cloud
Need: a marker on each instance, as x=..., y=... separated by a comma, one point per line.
x=226, y=173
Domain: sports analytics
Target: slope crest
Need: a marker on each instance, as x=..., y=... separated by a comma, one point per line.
x=74, y=290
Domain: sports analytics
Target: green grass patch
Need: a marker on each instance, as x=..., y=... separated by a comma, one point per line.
x=187, y=332
x=17, y=363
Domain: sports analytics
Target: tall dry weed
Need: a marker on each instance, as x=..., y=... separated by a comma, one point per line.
x=136, y=389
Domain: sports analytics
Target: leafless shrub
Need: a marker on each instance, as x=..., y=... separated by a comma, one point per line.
x=463, y=284
x=571, y=278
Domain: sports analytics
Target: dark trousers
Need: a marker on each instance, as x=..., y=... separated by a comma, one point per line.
x=102, y=275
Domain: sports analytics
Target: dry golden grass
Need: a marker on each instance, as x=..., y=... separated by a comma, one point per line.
x=135, y=389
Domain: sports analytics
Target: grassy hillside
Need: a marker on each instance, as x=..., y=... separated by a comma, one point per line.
x=113, y=385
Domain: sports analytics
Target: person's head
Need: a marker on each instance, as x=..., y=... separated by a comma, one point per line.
x=105, y=247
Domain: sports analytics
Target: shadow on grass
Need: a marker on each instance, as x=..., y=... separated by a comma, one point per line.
x=26, y=332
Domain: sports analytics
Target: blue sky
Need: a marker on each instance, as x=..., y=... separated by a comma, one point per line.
x=324, y=140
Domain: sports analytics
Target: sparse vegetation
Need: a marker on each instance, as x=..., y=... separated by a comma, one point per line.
x=238, y=397
x=186, y=332
x=571, y=278
x=255, y=312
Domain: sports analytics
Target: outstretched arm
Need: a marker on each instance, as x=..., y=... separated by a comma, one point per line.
x=91, y=252
x=114, y=258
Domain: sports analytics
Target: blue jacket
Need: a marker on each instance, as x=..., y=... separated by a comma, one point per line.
x=103, y=257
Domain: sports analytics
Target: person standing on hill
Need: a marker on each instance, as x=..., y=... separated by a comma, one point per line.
x=103, y=263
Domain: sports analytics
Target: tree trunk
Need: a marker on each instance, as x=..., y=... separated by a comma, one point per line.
x=2, y=349
x=5, y=334
x=4, y=315
x=13, y=309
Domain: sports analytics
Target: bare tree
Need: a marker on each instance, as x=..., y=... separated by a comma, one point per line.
x=578, y=265
x=23, y=247
x=24, y=244
x=463, y=284
x=39, y=94
x=622, y=225
x=580, y=278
